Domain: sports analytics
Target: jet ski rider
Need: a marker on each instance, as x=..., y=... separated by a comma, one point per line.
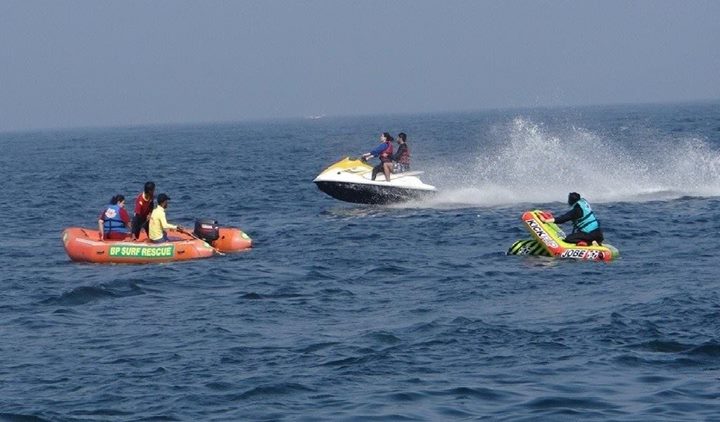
x=586, y=227
x=402, y=156
x=384, y=152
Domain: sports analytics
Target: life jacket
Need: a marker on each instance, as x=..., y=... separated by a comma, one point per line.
x=387, y=154
x=112, y=221
x=587, y=222
x=404, y=157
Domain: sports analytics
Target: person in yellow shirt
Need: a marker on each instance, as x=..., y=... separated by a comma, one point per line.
x=159, y=223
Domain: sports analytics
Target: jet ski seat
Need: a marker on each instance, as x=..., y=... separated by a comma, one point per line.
x=368, y=175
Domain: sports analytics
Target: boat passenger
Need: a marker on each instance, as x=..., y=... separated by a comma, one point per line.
x=384, y=152
x=143, y=208
x=402, y=156
x=586, y=227
x=158, y=222
x=114, y=221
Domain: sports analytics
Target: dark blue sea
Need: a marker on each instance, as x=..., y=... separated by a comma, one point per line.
x=349, y=312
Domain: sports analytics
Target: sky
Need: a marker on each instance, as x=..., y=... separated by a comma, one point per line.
x=117, y=63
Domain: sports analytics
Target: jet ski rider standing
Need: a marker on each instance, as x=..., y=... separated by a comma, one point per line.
x=384, y=152
x=586, y=228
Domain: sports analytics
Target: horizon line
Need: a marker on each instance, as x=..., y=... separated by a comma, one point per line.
x=322, y=116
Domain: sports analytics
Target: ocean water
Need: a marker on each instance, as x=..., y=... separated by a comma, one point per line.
x=348, y=312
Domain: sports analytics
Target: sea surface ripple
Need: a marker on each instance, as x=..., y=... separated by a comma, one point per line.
x=347, y=312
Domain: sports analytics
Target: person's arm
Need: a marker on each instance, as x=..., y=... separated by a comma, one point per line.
x=387, y=152
x=164, y=223
x=138, y=205
x=125, y=217
x=573, y=214
x=378, y=150
x=401, y=150
x=101, y=227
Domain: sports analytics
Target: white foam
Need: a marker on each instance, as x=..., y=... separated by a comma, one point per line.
x=529, y=163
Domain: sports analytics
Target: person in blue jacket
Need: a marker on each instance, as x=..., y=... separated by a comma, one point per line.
x=384, y=152
x=586, y=227
x=114, y=221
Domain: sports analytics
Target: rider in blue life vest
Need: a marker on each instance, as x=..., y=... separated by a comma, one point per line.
x=586, y=227
x=114, y=221
x=384, y=152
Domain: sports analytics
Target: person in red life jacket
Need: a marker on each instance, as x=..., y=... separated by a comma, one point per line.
x=402, y=156
x=384, y=152
x=114, y=221
x=143, y=208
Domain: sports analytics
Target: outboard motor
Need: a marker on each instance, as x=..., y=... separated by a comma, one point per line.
x=207, y=230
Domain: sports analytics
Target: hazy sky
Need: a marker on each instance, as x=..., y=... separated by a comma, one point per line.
x=97, y=63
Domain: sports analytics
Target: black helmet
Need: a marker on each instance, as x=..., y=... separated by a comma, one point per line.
x=573, y=197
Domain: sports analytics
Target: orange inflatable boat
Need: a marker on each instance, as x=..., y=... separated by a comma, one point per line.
x=84, y=245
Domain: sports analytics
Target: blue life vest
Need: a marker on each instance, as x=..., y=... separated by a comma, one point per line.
x=587, y=222
x=112, y=221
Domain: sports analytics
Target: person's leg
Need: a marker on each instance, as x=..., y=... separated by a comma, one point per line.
x=169, y=238
x=137, y=223
x=162, y=239
x=377, y=169
x=387, y=168
x=579, y=237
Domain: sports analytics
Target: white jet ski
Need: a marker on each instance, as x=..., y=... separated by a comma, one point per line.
x=350, y=180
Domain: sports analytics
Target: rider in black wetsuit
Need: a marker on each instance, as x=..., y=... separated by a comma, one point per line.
x=586, y=227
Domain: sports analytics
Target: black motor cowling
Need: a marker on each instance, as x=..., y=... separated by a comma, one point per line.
x=207, y=229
